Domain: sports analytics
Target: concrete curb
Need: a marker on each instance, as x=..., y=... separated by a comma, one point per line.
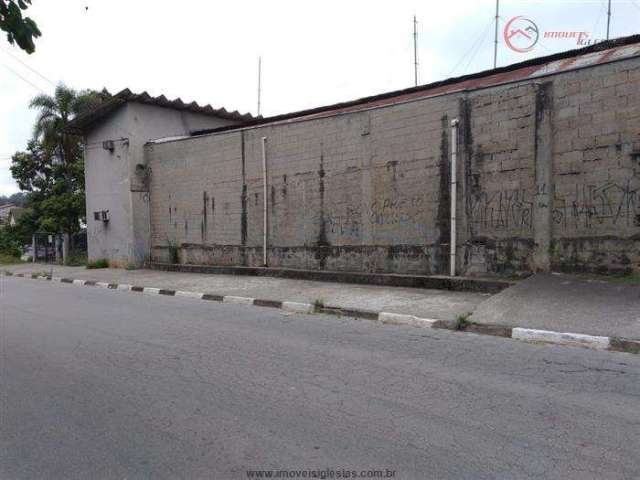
x=614, y=344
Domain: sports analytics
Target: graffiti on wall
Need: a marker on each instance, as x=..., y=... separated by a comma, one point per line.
x=587, y=206
x=404, y=213
x=346, y=226
x=398, y=210
x=590, y=206
x=502, y=210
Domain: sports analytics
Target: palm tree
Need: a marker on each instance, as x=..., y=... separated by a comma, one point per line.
x=55, y=158
x=55, y=113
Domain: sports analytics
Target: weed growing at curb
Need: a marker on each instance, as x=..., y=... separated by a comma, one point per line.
x=462, y=321
x=318, y=305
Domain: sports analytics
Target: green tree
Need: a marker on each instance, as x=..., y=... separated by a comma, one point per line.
x=19, y=199
x=19, y=29
x=52, y=167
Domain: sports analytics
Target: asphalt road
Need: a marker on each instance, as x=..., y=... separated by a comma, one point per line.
x=100, y=384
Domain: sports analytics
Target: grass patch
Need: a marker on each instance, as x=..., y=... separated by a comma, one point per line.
x=77, y=259
x=462, y=321
x=9, y=259
x=100, y=263
x=630, y=278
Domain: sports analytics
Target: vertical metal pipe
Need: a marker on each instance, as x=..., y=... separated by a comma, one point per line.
x=495, y=38
x=608, y=18
x=454, y=191
x=265, y=201
x=259, y=84
x=415, y=51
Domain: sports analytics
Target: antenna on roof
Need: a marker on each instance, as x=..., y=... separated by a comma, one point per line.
x=415, y=50
x=495, y=38
x=608, y=19
x=259, y=82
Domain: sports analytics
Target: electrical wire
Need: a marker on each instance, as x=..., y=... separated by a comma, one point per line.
x=23, y=78
x=27, y=66
x=602, y=10
x=478, y=40
x=473, y=56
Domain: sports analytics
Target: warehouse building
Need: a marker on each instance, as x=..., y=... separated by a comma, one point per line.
x=530, y=167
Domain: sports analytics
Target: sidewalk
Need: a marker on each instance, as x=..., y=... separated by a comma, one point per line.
x=424, y=303
x=570, y=310
x=567, y=303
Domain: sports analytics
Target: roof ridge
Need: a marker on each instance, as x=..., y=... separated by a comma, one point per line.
x=88, y=118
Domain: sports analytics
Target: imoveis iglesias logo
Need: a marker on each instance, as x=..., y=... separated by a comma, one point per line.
x=521, y=34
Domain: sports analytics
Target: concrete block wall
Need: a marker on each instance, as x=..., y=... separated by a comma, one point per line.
x=596, y=210
x=196, y=190
x=549, y=178
x=117, y=181
x=355, y=192
x=498, y=137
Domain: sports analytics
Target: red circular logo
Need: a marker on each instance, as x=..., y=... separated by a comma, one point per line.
x=521, y=34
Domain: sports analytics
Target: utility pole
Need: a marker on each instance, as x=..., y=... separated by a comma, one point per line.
x=495, y=39
x=415, y=51
x=259, y=82
x=608, y=19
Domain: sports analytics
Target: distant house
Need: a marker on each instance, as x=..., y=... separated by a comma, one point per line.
x=4, y=213
x=10, y=214
x=14, y=215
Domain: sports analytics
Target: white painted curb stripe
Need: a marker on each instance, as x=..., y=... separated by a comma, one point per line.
x=56, y=279
x=102, y=284
x=123, y=286
x=239, y=300
x=402, y=319
x=297, y=307
x=78, y=282
x=198, y=295
x=578, y=339
x=151, y=291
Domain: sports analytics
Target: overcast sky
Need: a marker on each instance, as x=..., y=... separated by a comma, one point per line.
x=314, y=53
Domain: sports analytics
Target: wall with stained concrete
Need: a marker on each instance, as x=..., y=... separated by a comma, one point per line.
x=118, y=181
x=549, y=179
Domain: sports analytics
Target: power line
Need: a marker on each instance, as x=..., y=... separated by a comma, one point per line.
x=473, y=47
x=27, y=66
x=476, y=51
x=23, y=79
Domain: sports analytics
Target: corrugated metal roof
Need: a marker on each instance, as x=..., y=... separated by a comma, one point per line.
x=87, y=120
x=604, y=52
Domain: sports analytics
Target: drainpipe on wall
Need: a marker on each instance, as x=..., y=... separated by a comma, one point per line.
x=454, y=190
x=264, y=202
